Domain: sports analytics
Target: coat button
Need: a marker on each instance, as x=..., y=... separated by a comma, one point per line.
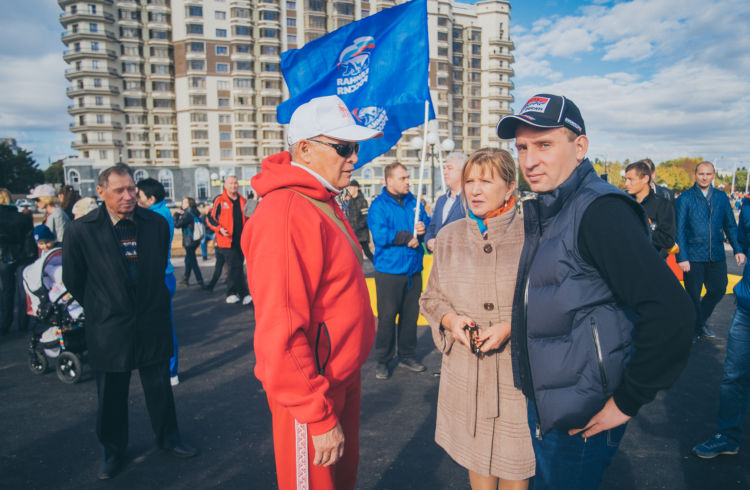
x=488, y=248
x=489, y=306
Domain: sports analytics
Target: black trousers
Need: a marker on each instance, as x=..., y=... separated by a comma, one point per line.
x=714, y=276
x=112, y=413
x=7, y=295
x=398, y=294
x=235, y=270
x=191, y=264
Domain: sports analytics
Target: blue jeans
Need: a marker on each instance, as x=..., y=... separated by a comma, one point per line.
x=204, y=245
x=566, y=462
x=714, y=276
x=734, y=391
x=171, y=282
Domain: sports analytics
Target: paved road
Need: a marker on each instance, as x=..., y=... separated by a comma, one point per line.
x=48, y=440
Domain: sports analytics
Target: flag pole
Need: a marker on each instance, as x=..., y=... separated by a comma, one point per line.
x=421, y=166
x=440, y=162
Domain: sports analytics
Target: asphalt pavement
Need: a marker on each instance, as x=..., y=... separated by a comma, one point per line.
x=48, y=440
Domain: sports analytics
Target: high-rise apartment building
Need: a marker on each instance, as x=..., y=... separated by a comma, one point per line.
x=186, y=91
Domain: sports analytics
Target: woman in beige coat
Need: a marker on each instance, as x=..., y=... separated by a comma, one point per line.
x=481, y=416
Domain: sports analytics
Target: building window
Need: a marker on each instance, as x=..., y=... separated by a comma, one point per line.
x=269, y=50
x=291, y=5
x=225, y=119
x=199, y=134
x=243, y=83
x=94, y=46
x=73, y=176
x=221, y=33
x=99, y=100
x=201, y=183
x=442, y=51
x=198, y=82
x=197, y=100
x=154, y=34
x=200, y=152
x=197, y=65
x=196, y=47
x=241, y=30
x=241, y=48
x=198, y=117
x=269, y=15
x=194, y=28
x=269, y=67
x=442, y=36
x=243, y=65
x=225, y=154
x=316, y=5
x=241, y=100
x=160, y=69
x=291, y=38
x=220, y=15
x=222, y=50
x=240, y=13
x=166, y=179
x=222, y=84
x=194, y=11
x=93, y=27
x=223, y=102
x=100, y=119
x=222, y=67
x=225, y=136
x=268, y=33
x=97, y=82
x=244, y=134
x=291, y=22
x=165, y=153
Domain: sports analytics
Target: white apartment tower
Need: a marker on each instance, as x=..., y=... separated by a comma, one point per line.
x=186, y=91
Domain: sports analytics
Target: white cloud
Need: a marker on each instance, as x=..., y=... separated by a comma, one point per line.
x=668, y=78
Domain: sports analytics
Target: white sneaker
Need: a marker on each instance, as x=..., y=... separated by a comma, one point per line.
x=247, y=300
x=175, y=380
x=232, y=299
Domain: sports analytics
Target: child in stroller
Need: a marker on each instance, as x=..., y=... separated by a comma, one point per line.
x=58, y=332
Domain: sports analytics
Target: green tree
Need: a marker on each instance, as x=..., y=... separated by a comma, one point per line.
x=54, y=173
x=674, y=177
x=18, y=170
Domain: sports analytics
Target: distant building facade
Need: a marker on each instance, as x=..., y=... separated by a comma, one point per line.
x=185, y=91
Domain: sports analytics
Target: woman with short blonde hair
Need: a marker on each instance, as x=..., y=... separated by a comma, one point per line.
x=481, y=416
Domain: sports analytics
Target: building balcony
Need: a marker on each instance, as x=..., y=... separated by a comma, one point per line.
x=114, y=125
x=72, y=73
x=79, y=109
x=65, y=3
x=90, y=89
x=85, y=16
x=101, y=35
x=507, y=43
x=96, y=145
x=76, y=54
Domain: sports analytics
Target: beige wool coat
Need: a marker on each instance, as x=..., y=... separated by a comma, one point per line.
x=481, y=416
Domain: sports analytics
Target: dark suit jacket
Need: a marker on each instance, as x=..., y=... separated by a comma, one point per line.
x=436, y=222
x=126, y=327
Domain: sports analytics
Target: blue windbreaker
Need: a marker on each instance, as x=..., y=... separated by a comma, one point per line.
x=161, y=208
x=386, y=218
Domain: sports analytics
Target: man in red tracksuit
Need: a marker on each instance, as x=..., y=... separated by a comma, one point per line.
x=314, y=326
x=227, y=219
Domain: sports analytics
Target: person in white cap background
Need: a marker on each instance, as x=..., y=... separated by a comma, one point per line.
x=314, y=326
x=56, y=219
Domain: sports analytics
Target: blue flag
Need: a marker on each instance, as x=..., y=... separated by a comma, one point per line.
x=378, y=66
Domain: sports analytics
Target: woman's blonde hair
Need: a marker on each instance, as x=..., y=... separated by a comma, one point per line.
x=492, y=160
x=5, y=197
x=47, y=200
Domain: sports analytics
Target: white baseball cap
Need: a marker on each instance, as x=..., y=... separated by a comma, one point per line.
x=327, y=116
x=43, y=190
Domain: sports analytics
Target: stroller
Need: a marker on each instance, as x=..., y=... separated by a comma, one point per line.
x=58, y=335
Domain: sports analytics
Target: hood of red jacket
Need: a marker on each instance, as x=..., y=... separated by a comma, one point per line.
x=277, y=172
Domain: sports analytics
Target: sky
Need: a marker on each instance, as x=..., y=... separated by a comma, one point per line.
x=657, y=78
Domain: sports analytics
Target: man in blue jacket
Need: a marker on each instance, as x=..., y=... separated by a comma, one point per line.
x=734, y=391
x=704, y=216
x=449, y=207
x=398, y=269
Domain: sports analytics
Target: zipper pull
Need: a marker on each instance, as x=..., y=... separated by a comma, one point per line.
x=538, y=432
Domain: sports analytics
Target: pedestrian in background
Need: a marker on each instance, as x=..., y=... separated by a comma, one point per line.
x=660, y=210
x=151, y=195
x=227, y=220
x=704, y=217
x=356, y=208
x=84, y=206
x=186, y=220
x=734, y=390
x=17, y=249
x=208, y=233
x=450, y=206
x=55, y=219
x=68, y=197
x=398, y=269
x=113, y=264
x=481, y=416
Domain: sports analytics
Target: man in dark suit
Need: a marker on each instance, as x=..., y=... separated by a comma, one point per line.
x=449, y=207
x=114, y=260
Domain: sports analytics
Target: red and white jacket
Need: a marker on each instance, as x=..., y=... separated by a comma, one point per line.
x=221, y=217
x=307, y=281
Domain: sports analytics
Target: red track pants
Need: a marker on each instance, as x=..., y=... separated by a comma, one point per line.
x=294, y=452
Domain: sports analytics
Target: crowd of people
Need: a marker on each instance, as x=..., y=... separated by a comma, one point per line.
x=557, y=315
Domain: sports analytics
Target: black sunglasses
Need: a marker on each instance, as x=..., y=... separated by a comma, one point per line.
x=344, y=151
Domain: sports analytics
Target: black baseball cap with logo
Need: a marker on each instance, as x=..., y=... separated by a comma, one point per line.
x=543, y=111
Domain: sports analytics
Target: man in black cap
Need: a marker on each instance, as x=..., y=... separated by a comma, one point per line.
x=584, y=361
x=355, y=206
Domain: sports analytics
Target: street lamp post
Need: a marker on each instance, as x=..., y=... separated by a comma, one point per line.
x=433, y=139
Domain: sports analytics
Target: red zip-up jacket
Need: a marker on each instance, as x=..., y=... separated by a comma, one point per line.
x=221, y=216
x=311, y=282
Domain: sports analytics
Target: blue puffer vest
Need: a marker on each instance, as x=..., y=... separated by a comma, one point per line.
x=572, y=340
